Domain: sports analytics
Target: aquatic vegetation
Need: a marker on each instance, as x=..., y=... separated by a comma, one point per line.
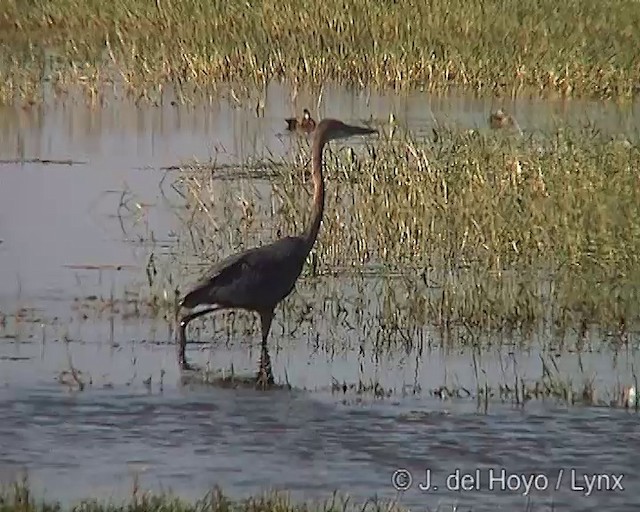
x=19, y=498
x=566, y=49
x=477, y=230
x=477, y=240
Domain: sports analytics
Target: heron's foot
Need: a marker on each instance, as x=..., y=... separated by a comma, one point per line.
x=264, y=379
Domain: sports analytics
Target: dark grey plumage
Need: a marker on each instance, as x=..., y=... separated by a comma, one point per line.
x=257, y=278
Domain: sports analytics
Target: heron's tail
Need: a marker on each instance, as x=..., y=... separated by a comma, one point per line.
x=194, y=298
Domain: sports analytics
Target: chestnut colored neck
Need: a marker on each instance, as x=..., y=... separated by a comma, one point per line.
x=311, y=233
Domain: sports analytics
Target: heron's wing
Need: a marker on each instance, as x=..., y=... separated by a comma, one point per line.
x=220, y=274
x=249, y=274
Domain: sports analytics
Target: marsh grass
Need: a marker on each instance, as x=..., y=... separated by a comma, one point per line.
x=514, y=386
x=361, y=329
x=524, y=47
x=478, y=230
x=19, y=498
x=477, y=240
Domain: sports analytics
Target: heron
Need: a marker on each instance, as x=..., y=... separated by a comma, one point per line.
x=258, y=279
x=305, y=125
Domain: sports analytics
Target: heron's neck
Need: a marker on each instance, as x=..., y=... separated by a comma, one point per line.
x=311, y=233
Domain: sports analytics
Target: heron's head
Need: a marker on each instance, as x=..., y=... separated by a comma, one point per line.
x=332, y=129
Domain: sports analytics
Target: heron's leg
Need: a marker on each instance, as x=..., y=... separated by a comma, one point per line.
x=182, y=335
x=265, y=375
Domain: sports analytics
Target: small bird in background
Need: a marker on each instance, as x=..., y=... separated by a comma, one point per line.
x=499, y=120
x=305, y=125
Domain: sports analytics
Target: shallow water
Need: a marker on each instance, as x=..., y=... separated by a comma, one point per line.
x=56, y=220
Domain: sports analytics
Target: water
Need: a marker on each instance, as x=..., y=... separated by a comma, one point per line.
x=63, y=241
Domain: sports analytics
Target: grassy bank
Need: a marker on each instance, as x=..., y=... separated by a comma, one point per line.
x=18, y=498
x=578, y=47
x=476, y=229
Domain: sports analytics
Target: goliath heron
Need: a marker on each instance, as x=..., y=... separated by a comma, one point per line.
x=305, y=125
x=259, y=278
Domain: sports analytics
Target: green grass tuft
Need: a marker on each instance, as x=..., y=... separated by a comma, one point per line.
x=19, y=498
x=570, y=48
x=477, y=229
